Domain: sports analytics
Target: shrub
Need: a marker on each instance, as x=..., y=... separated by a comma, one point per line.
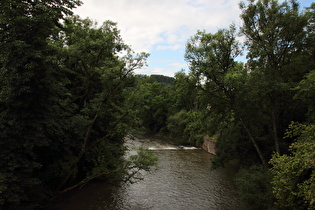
x=254, y=187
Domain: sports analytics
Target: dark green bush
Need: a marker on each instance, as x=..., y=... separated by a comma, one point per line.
x=254, y=187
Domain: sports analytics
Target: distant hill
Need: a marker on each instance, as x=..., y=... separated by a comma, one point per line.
x=156, y=78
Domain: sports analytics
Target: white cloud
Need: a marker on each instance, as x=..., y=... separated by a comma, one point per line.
x=178, y=65
x=169, y=47
x=162, y=27
x=162, y=71
x=144, y=23
x=156, y=70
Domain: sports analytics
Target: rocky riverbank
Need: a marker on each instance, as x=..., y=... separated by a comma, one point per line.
x=209, y=145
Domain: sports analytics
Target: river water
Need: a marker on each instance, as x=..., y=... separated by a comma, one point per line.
x=183, y=179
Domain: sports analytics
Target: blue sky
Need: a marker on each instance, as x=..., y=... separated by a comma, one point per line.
x=162, y=27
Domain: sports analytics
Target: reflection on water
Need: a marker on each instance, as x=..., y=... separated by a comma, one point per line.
x=183, y=180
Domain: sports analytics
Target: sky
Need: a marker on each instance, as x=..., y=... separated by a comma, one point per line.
x=163, y=27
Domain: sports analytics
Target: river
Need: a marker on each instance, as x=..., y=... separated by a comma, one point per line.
x=183, y=179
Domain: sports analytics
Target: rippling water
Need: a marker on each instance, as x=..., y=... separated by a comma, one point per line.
x=183, y=180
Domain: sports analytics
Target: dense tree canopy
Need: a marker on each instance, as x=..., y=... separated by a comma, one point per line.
x=62, y=100
x=30, y=96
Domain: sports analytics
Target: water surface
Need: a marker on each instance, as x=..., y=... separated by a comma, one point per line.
x=183, y=179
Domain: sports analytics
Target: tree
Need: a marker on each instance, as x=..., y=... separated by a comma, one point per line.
x=152, y=101
x=306, y=93
x=31, y=94
x=294, y=175
x=275, y=37
x=254, y=187
x=211, y=58
x=62, y=100
x=163, y=79
x=189, y=118
x=100, y=75
x=186, y=92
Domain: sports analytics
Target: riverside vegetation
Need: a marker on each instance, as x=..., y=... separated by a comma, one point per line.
x=69, y=95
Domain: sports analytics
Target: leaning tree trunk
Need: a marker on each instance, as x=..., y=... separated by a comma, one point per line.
x=274, y=123
x=251, y=137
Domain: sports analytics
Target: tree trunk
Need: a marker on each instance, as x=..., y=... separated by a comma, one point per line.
x=275, y=131
x=274, y=123
x=260, y=154
x=263, y=160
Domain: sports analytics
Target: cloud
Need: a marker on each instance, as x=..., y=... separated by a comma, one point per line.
x=169, y=47
x=162, y=71
x=144, y=23
x=156, y=70
x=178, y=65
x=165, y=67
x=162, y=27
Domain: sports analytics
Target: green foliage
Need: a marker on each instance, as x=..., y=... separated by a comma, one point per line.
x=105, y=159
x=274, y=46
x=306, y=93
x=68, y=96
x=152, y=101
x=220, y=77
x=250, y=105
x=254, y=187
x=144, y=160
x=189, y=126
x=270, y=20
x=31, y=96
x=99, y=78
x=230, y=145
x=163, y=79
x=294, y=174
x=186, y=95
x=62, y=100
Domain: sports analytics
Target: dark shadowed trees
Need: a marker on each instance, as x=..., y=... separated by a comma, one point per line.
x=275, y=38
x=62, y=100
x=31, y=94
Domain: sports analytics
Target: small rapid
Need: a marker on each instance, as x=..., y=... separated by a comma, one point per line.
x=155, y=144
